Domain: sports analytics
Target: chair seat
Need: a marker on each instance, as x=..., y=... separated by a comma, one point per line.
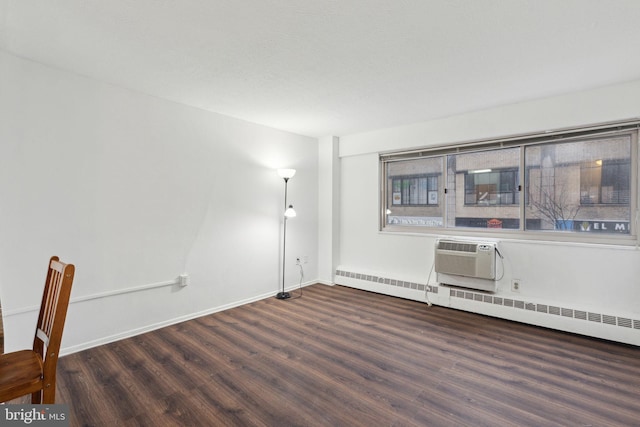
x=20, y=374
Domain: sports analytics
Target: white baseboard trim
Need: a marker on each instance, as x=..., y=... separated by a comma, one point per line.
x=611, y=325
x=142, y=330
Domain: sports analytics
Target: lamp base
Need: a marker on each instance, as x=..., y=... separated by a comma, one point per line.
x=283, y=295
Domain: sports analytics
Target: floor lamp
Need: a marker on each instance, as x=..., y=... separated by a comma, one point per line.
x=285, y=174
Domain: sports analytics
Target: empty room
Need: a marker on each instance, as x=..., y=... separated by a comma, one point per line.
x=320, y=213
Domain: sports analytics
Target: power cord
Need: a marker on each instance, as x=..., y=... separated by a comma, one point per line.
x=501, y=263
x=426, y=287
x=299, y=283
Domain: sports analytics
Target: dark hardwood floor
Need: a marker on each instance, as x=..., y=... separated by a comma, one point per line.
x=345, y=357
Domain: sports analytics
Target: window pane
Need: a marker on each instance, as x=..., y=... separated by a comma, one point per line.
x=396, y=193
x=491, y=188
x=616, y=180
x=422, y=191
x=414, y=196
x=579, y=186
x=490, y=182
x=405, y=192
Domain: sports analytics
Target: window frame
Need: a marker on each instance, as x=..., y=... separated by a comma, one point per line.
x=522, y=141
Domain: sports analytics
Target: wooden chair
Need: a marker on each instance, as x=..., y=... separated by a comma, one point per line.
x=34, y=371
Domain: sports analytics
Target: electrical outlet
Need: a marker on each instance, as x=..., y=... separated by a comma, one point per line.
x=183, y=280
x=297, y=260
x=516, y=285
x=305, y=259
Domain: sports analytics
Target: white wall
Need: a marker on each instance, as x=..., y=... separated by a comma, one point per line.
x=593, y=278
x=329, y=208
x=134, y=191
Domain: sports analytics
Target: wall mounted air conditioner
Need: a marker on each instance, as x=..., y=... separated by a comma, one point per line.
x=466, y=263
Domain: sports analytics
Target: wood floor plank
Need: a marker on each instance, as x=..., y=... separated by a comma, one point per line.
x=339, y=356
x=277, y=372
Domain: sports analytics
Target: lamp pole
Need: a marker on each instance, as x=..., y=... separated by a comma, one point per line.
x=283, y=294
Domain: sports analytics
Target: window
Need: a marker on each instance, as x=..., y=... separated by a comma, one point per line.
x=489, y=183
x=570, y=185
x=420, y=190
x=605, y=182
x=580, y=183
x=414, y=196
x=487, y=187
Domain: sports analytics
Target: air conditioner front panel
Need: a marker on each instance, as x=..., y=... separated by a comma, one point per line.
x=460, y=263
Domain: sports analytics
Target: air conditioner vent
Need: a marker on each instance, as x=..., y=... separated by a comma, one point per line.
x=449, y=245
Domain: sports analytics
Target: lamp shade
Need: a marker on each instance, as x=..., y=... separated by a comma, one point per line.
x=286, y=173
x=290, y=212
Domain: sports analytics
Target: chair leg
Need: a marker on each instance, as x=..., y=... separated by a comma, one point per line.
x=49, y=394
x=36, y=397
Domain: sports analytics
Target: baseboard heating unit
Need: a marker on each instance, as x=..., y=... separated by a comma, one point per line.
x=467, y=264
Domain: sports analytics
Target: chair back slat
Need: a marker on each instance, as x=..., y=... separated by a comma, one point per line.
x=53, y=310
x=51, y=302
x=42, y=336
x=57, y=266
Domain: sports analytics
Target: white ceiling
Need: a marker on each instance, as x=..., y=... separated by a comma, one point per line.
x=333, y=67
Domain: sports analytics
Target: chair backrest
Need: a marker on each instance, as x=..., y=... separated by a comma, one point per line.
x=53, y=312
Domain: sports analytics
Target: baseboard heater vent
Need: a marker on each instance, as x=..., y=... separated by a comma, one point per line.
x=387, y=281
x=586, y=316
x=466, y=263
x=485, y=298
